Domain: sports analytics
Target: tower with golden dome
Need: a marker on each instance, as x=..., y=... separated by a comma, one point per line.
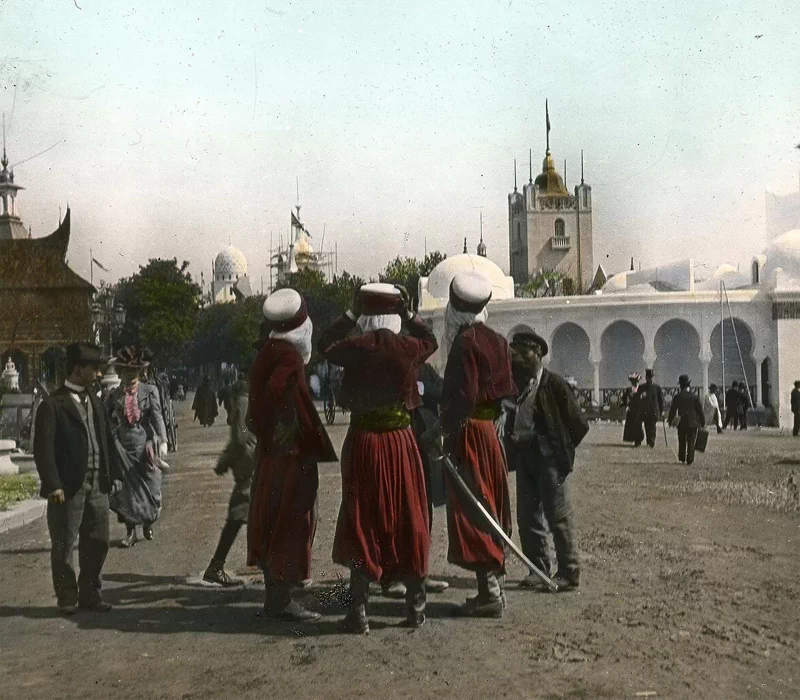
x=550, y=228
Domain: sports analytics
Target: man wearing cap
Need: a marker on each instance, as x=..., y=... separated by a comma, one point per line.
x=78, y=467
x=291, y=441
x=688, y=408
x=549, y=426
x=476, y=380
x=651, y=402
x=382, y=531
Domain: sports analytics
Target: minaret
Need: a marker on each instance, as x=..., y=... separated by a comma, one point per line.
x=482, y=245
x=10, y=224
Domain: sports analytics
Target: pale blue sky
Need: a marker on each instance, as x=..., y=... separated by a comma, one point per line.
x=184, y=127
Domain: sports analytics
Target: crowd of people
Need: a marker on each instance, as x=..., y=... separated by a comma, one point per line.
x=497, y=409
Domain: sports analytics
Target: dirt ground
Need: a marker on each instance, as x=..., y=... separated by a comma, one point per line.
x=689, y=590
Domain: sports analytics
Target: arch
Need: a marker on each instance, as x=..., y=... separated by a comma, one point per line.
x=733, y=365
x=677, y=346
x=622, y=347
x=570, y=350
x=559, y=228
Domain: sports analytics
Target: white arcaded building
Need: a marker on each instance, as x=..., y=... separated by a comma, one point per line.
x=669, y=318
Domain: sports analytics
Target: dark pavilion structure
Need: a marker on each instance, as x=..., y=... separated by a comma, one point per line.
x=44, y=305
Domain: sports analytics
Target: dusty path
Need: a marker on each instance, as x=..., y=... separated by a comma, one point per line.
x=689, y=590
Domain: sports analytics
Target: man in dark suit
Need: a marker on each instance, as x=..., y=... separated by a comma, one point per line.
x=732, y=406
x=744, y=404
x=548, y=426
x=78, y=466
x=687, y=406
x=796, y=408
x=651, y=398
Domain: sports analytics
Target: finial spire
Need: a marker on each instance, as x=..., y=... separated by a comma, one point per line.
x=530, y=166
x=515, y=174
x=581, y=166
x=547, y=121
x=565, y=172
x=5, y=157
x=481, y=225
x=465, y=244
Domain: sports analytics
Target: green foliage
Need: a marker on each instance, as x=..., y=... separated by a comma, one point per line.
x=227, y=333
x=163, y=303
x=549, y=282
x=16, y=488
x=407, y=272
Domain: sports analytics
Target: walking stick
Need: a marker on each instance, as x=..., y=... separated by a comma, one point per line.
x=664, y=424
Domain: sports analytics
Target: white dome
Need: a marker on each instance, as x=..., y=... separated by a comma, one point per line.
x=230, y=264
x=784, y=252
x=442, y=275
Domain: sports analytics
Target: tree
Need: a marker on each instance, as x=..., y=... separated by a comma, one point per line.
x=228, y=333
x=549, y=282
x=407, y=272
x=162, y=303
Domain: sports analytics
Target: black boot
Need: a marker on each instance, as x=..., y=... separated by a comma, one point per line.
x=356, y=622
x=488, y=602
x=415, y=603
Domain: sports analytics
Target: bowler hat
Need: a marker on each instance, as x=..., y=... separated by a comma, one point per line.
x=530, y=339
x=84, y=354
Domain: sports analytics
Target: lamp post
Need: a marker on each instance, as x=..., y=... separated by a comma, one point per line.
x=112, y=317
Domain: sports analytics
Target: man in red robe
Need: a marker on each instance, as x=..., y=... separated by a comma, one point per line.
x=382, y=531
x=291, y=441
x=477, y=378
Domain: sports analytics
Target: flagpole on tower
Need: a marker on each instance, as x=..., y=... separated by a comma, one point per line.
x=547, y=120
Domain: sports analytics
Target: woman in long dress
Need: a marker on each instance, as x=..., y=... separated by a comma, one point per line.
x=633, y=431
x=140, y=434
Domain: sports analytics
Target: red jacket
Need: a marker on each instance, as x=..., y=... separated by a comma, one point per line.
x=478, y=371
x=380, y=367
x=279, y=394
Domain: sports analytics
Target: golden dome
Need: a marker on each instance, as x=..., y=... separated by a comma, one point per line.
x=549, y=182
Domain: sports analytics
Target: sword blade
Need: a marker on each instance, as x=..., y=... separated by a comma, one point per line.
x=492, y=523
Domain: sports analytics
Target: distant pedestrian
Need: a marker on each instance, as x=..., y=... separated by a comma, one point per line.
x=631, y=399
x=78, y=467
x=238, y=457
x=651, y=406
x=743, y=405
x=796, y=408
x=205, y=403
x=687, y=410
x=732, y=406
x=711, y=409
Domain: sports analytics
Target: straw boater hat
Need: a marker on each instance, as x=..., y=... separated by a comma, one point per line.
x=285, y=310
x=470, y=291
x=379, y=299
x=129, y=357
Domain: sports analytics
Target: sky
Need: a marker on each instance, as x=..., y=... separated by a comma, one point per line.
x=178, y=130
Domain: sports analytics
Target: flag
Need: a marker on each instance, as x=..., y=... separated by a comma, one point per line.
x=100, y=265
x=547, y=115
x=296, y=222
